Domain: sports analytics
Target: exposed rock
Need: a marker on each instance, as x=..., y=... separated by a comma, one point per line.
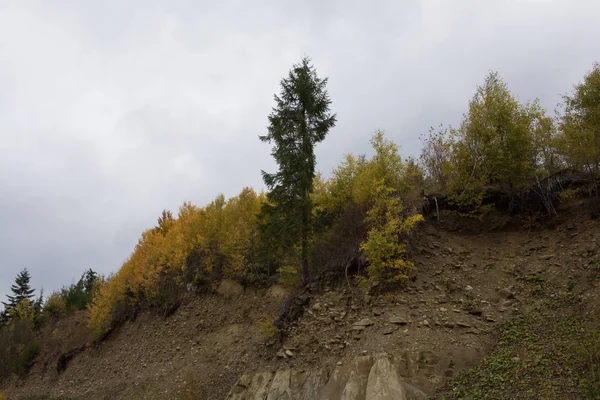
x=257, y=384
x=506, y=293
x=364, y=322
x=476, y=311
x=396, y=319
x=383, y=382
x=280, y=386
x=366, y=377
x=389, y=330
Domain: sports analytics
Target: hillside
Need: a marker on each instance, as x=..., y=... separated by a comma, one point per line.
x=475, y=282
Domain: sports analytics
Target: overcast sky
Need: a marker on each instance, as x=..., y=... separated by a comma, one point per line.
x=111, y=111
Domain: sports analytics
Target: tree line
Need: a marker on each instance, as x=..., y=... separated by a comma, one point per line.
x=24, y=314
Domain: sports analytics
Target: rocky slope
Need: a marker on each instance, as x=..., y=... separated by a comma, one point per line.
x=407, y=343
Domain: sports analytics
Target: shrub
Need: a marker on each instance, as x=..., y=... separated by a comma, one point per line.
x=55, y=306
x=289, y=277
x=24, y=358
x=267, y=326
x=18, y=344
x=384, y=250
x=589, y=353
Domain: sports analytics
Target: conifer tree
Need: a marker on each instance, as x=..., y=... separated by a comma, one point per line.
x=21, y=291
x=300, y=120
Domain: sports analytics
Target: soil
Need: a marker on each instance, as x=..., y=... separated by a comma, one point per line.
x=471, y=277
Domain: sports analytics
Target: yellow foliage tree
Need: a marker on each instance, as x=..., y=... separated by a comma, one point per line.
x=200, y=244
x=383, y=248
x=382, y=192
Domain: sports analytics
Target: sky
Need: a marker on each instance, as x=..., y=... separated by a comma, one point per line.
x=111, y=111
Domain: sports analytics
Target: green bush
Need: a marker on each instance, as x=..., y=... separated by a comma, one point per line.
x=24, y=359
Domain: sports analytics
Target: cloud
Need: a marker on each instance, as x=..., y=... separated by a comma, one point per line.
x=111, y=111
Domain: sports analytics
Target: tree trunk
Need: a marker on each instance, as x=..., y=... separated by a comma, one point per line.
x=305, y=270
x=306, y=189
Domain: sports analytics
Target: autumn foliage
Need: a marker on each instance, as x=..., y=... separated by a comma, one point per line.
x=366, y=208
x=197, y=246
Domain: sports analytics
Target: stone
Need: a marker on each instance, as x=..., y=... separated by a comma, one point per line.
x=377, y=312
x=368, y=298
x=426, y=323
x=449, y=325
x=383, y=382
x=389, y=330
x=289, y=353
x=546, y=257
x=476, y=311
x=358, y=328
x=364, y=322
x=280, y=385
x=506, y=293
x=442, y=309
x=463, y=325
x=257, y=384
x=468, y=288
x=316, y=306
x=395, y=319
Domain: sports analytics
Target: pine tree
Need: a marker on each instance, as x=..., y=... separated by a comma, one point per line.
x=21, y=290
x=300, y=120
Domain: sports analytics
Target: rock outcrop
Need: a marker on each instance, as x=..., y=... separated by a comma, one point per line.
x=365, y=378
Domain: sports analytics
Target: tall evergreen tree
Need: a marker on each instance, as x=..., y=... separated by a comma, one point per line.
x=21, y=290
x=300, y=120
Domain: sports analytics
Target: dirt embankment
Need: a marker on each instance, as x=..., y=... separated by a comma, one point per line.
x=468, y=283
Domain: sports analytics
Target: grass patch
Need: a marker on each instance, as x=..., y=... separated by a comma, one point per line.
x=551, y=352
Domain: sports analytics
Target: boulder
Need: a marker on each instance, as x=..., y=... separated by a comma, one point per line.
x=383, y=382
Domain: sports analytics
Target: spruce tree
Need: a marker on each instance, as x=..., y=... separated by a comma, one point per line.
x=21, y=290
x=300, y=120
